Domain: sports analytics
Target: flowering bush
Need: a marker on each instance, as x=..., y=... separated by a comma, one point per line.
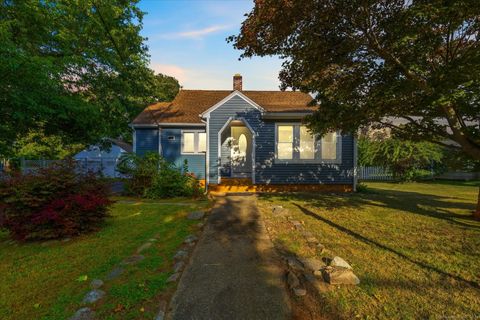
x=54, y=202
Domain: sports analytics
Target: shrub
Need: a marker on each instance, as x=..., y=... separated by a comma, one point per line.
x=153, y=177
x=54, y=202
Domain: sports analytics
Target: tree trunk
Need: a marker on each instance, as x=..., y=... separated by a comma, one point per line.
x=476, y=214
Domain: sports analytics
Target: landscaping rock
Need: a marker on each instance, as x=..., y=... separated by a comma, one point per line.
x=180, y=255
x=313, y=264
x=133, y=259
x=292, y=280
x=299, y=292
x=297, y=224
x=162, y=309
x=339, y=262
x=93, y=296
x=190, y=239
x=174, y=277
x=83, y=314
x=312, y=240
x=339, y=275
x=115, y=273
x=178, y=266
x=96, y=283
x=294, y=264
x=196, y=215
x=144, y=247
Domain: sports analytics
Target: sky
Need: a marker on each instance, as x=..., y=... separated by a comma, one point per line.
x=186, y=39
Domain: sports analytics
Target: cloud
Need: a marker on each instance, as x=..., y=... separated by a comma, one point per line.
x=194, y=34
x=171, y=70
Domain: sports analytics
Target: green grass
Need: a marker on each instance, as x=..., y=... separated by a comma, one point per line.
x=413, y=245
x=41, y=281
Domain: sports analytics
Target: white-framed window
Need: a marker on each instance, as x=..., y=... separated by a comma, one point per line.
x=194, y=142
x=296, y=144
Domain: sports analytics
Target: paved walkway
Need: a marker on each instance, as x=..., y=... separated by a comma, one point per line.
x=233, y=273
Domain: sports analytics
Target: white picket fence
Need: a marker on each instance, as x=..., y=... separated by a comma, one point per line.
x=105, y=166
x=374, y=173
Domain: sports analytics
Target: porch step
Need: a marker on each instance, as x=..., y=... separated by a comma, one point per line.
x=236, y=182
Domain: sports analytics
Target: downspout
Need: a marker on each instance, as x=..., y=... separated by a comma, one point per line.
x=355, y=161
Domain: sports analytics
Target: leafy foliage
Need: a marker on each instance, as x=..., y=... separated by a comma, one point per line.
x=166, y=88
x=153, y=177
x=407, y=160
x=368, y=61
x=66, y=64
x=54, y=202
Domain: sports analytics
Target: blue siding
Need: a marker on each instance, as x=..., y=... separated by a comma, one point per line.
x=266, y=170
x=146, y=140
x=171, y=151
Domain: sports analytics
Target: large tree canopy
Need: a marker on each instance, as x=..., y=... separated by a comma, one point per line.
x=367, y=61
x=71, y=68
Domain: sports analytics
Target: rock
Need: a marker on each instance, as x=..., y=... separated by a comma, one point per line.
x=178, y=266
x=93, y=296
x=196, y=215
x=339, y=262
x=320, y=247
x=190, y=239
x=312, y=240
x=313, y=264
x=174, y=277
x=292, y=280
x=83, y=314
x=133, y=259
x=96, y=283
x=339, y=275
x=299, y=292
x=161, y=310
x=117, y=271
x=294, y=264
x=144, y=247
x=297, y=224
x=309, y=277
x=180, y=255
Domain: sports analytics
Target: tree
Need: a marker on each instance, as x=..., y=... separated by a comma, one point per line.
x=71, y=68
x=407, y=160
x=368, y=61
x=166, y=87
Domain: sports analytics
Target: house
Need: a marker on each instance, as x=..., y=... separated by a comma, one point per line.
x=104, y=160
x=241, y=140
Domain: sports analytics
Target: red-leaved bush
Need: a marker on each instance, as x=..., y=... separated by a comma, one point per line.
x=54, y=202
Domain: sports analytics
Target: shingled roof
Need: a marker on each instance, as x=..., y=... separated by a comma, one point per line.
x=189, y=104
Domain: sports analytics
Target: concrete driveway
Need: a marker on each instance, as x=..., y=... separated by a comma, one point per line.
x=233, y=272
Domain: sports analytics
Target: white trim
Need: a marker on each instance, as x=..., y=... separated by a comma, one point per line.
x=181, y=124
x=318, y=148
x=219, y=149
x=355, y=163
x=195, y=142
x=206, y=113
x=207, y=158
x=144, y=126
x=134, y=141
x=160, y=141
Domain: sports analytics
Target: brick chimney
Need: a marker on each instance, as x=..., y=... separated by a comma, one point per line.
x=237, y=82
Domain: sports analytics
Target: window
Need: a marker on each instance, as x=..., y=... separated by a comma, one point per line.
x=329, y=146
x=194, y=142
x=285, y=142
x=171, y=138
x=307, y=144
x=295, y=143
x=202, y=142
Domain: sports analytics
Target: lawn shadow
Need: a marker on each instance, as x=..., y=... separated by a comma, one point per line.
x=384, y=247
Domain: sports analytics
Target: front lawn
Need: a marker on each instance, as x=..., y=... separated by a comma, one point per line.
x=413, y=245
x=47, y=281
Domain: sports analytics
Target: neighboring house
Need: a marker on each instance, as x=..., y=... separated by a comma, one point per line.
x=254, y=140
x=94, y=158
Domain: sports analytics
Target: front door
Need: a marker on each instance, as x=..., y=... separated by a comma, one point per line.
x=241, y=152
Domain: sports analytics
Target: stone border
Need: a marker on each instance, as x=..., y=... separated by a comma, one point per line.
x=180, y=258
